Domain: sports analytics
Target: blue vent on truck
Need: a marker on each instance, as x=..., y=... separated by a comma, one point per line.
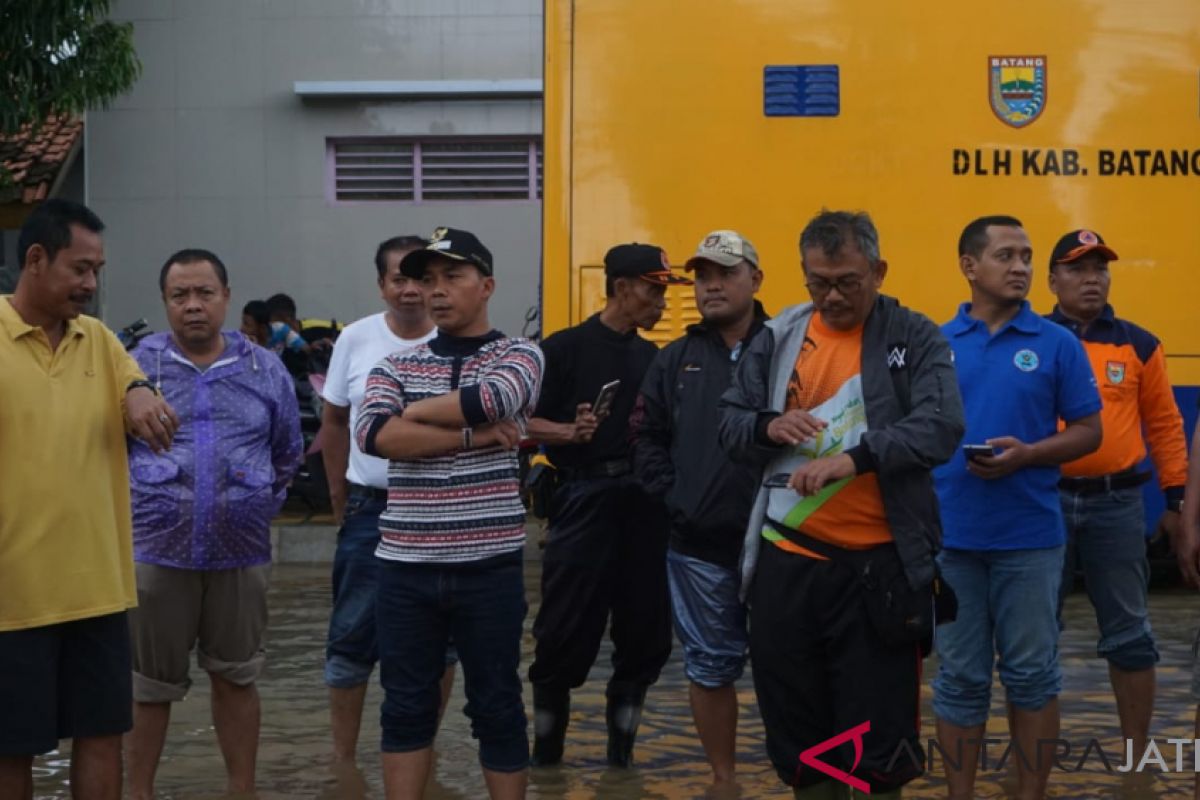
x=811, y=90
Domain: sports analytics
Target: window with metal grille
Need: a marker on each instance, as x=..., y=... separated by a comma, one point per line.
x=433, y=170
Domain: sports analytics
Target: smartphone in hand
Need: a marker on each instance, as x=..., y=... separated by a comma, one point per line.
x=777, y=481
x=973, y=451
x=604, y=400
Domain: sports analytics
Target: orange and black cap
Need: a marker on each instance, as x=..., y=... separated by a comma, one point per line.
x=645, y=261
x=1077, y=244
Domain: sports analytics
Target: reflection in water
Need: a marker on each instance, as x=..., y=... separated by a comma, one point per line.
x=294, y=754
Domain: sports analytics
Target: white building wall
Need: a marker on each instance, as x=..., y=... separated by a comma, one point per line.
x=214, y=149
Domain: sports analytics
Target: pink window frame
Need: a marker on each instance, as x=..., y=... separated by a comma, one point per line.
x=331, y=143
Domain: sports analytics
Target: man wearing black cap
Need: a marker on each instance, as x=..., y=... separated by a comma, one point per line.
x=448, y=415
x=607, y=543
x=1100, y=493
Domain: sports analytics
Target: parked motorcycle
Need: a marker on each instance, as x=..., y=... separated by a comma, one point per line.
x=134, y=332
x=310, y=486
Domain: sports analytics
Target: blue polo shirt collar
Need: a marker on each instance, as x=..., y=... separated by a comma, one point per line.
x=1026, y=321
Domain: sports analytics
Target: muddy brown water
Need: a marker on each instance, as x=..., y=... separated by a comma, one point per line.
x=294, y=761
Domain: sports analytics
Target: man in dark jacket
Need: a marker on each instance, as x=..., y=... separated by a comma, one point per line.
x=676, y=456
x=848, y=403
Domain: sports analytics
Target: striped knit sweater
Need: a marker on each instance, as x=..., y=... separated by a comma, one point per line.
x=465, y=505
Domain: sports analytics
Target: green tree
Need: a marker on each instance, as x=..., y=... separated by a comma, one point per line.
x=61, y=57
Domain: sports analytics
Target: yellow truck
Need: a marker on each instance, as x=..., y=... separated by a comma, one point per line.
x=664, y=120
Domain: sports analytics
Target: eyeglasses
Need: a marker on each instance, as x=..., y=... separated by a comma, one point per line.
x=846, y=285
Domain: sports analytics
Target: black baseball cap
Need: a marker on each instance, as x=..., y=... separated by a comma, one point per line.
x=1077, y=244
x=645, y=261
x=448, y=243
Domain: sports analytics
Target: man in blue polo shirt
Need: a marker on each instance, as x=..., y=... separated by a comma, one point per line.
x=1003, y=528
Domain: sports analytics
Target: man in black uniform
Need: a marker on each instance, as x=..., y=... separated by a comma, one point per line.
x=708, y=497
x=606, y=549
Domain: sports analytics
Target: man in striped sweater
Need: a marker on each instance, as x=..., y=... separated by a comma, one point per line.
x=448, y=416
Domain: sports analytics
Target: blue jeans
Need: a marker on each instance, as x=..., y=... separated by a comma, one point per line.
x=710, y=620
x=482, y=605
x=1007, y=603
x=351, y=651
x=1107, y=540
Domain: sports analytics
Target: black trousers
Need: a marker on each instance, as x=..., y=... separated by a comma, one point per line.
x=605, y=556
x=820, y=669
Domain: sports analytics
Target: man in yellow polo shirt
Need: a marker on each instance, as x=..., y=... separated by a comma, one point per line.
x=68, y=395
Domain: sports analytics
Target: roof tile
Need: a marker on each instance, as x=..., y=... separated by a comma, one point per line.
x=35, y=157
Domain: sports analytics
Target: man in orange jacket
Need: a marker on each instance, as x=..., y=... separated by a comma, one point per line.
x=1100, y=493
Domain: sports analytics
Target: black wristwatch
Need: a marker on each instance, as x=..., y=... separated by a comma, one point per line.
x=1176, y=506
x=142, y=384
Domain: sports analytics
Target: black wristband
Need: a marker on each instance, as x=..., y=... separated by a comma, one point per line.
x=761, y=422
x=861, y=456
x=1174, y=497
x=141, y=384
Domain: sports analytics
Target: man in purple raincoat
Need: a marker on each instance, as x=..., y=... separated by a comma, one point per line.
x=201, y=519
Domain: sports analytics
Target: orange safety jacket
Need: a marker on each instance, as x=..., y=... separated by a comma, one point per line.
x=1138, y=405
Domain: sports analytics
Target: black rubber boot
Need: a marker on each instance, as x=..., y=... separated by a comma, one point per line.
x=623, y=713
x=551, y=712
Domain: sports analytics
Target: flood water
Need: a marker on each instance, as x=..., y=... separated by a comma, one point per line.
x=294, y=762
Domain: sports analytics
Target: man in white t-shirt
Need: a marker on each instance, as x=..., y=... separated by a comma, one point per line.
x=358, y=488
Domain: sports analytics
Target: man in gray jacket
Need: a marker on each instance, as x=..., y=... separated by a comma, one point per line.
x=846, y=404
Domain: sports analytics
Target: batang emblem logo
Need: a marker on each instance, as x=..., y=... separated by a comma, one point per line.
x=1017, y=88
x=1115, y=371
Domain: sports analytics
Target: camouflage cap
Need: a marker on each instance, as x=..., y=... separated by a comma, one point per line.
x=727, y=248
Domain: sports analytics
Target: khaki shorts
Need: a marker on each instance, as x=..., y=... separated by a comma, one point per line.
x=222, y=613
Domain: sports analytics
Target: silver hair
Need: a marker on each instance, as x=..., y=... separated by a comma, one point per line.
x=830, y=231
